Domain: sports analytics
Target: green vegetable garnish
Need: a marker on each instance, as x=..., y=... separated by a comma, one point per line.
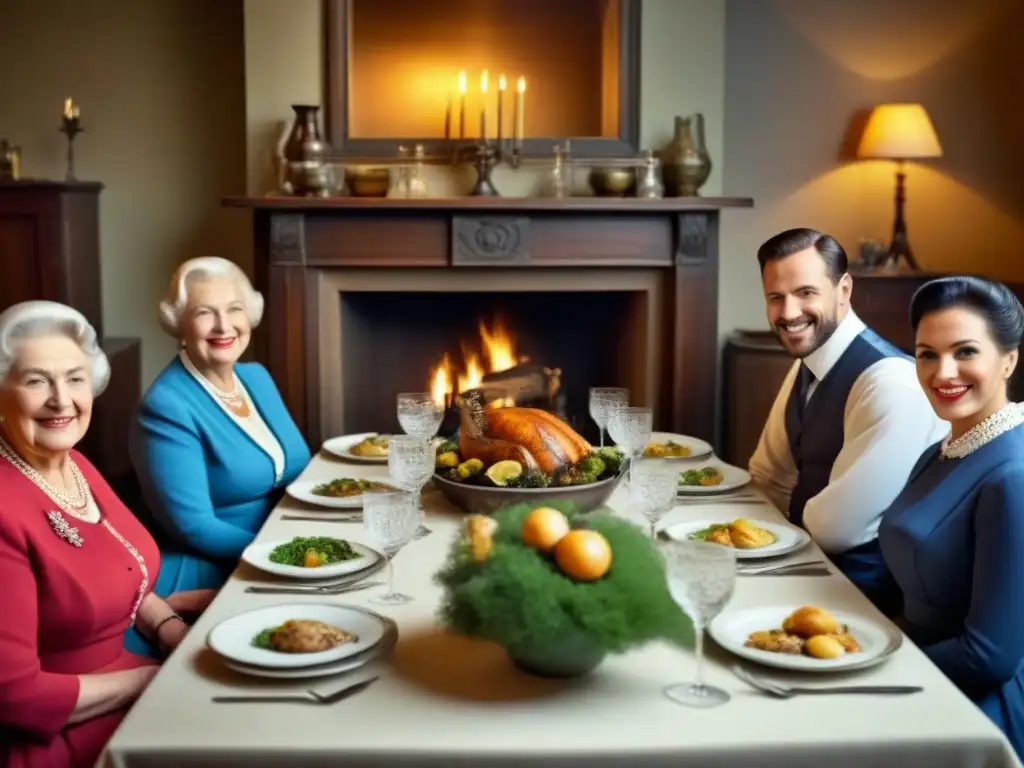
x=703, y=534
x=313, y=551
x=262, y=640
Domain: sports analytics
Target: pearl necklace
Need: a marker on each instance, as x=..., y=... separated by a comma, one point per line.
x=1006, y=418
x=74, y=507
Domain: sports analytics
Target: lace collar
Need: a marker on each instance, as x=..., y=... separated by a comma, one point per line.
x=1003, y=420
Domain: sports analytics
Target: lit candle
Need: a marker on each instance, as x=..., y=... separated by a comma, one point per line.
x=448, y=119
x=483, y=106
x=502, y=85
x=520, y=108
x=462, y=104
x=68, y=109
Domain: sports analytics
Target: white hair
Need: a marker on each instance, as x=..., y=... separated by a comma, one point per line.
x=32, y=319
x=173, y=304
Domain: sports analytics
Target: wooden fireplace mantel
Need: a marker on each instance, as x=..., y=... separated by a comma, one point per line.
x=300, y=242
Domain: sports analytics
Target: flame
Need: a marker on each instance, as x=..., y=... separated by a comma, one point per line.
x=499, y=351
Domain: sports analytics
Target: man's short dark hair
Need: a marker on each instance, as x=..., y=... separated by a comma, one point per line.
x=795, y=240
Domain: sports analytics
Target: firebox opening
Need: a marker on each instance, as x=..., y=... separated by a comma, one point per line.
x=548, y=348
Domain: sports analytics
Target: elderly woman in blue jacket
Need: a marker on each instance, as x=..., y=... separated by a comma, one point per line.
x=213, y=444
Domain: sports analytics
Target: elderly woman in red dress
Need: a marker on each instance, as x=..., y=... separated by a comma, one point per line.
x=76, y=568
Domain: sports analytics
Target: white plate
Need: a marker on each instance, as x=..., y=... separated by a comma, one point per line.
x=699, y=449
x=788, y=538
x=320, y=670
x=878, y=639
x=257, y=555
x=303, y=491
x=342, y=448
x=733, y=478
x=233, y=637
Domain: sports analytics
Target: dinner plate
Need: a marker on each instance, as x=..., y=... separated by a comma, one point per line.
x=233, y=637
x=303, y=491
x=699, y=449
x=342, y=448
x=788, y=538
x=878, y=639
x=387, y=642
x=733, y=478
x=257, y=555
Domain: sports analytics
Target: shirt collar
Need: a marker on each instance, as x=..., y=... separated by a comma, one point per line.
x=821, y=360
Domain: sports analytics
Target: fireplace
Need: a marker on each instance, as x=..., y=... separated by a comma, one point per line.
x=445, y=333
x=365, y=298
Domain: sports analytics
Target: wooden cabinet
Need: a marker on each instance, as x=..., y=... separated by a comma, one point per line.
x=50, y=249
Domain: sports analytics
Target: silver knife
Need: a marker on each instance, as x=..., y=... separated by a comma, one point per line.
x=308, y=697
x=310, y=589
x=810, y=571
x=325, y=519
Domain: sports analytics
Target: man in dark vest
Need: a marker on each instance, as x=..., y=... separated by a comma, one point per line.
x=850, y=419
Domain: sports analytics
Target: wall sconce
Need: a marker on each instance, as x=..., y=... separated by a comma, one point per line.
x=899, y=132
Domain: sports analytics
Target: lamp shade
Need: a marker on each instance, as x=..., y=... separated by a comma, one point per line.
x=899, y=132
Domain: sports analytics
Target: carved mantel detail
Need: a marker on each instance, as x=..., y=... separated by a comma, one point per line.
x=491, y=241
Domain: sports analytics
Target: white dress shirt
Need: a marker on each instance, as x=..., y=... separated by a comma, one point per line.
x=888, y=423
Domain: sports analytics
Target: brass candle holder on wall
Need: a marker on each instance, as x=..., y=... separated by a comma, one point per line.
x=71, y=126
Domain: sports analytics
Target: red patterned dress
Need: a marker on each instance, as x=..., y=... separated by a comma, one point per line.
x=68, y=591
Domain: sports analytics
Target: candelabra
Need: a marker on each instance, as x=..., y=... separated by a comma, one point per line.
x=71, y=127
x=485, y=156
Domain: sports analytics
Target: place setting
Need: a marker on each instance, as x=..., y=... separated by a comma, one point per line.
x=301, y=641
x=786, y=636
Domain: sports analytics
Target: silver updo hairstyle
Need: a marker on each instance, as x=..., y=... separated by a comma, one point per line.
x=32, y=319
x=173, y=304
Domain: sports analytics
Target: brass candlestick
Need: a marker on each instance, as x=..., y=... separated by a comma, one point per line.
x=71, y=127
x=485, y=156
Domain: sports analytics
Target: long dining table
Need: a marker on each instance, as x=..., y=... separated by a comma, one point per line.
x=443, y=700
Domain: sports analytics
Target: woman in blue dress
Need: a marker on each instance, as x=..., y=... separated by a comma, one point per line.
x=213, y=443
x=954, y=538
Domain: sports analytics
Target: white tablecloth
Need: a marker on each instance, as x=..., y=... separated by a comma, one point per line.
x=449, y=701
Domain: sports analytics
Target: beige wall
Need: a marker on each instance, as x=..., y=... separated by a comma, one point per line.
x=160, y=84
x=797, y=71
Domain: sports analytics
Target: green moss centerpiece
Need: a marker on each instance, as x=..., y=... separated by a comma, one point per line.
x=558, y=590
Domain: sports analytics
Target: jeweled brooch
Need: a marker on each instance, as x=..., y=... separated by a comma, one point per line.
x=64, y=529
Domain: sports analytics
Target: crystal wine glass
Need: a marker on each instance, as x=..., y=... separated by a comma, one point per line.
x=653, y=487
x=419, y=414
x=410, y=462
x=601, y=400
x=630, y=427
x=392, y=519
x=701, y=578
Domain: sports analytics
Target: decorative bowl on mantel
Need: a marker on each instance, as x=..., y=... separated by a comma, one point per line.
x=368, y=180
x=557, y=590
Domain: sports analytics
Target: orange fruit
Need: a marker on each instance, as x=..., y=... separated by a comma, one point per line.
x=543, y=528
x=584, y=555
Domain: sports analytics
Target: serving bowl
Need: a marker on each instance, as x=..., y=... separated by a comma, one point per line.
x=483, y=500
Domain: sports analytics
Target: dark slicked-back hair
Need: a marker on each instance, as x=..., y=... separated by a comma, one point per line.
x=795, y=240
x=997, y=304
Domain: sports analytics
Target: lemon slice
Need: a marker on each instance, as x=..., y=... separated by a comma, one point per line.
x=502, y=472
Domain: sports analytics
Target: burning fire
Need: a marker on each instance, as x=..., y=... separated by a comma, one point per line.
x=498, y=349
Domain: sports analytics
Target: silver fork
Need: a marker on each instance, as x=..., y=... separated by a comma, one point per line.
x=306, y=697
x=753, y=570
x=780, y=691
x=311, y=589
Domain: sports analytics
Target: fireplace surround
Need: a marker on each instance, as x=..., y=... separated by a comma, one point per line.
x=329, y=267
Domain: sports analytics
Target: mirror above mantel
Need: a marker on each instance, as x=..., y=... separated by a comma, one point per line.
x=397, y=71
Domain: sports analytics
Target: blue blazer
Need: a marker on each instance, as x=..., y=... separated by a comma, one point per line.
x=209, y=487
x=953, y=540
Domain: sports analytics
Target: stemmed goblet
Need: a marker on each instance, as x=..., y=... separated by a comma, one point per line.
x=410, y=463
x=630, y=427
x=602, y=399
x=419, y=414
x=701, y=578
x=392, y=519
x=653, y=484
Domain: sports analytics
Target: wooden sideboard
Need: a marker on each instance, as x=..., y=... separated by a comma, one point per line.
x=50, y=249
x=754, y=364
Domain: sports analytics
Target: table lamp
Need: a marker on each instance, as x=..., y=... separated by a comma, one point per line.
x=899, y=132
